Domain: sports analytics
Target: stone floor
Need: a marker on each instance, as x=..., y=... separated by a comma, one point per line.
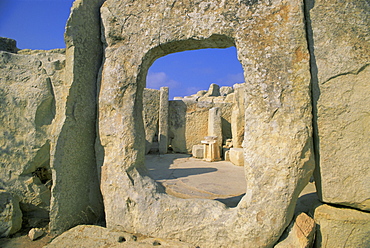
x=186, y=177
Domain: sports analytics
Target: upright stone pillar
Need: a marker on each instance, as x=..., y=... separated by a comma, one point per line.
x=163, y=121
x=215, y=124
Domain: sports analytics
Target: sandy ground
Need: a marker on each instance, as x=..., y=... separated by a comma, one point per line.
x=186, y=177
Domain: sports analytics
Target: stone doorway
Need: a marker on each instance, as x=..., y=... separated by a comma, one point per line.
x=277, y=137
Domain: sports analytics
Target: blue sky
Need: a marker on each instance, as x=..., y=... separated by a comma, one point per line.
x=39, y=24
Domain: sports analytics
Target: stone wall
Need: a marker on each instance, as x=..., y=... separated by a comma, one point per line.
x=31, y=92
x=189, y=120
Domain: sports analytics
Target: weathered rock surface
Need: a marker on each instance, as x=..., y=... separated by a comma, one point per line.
x=97, y=237
x=150, y=116
x=236, y=156
x=35, y=233
x=8, y=45
x=300, y=233
x=339, y=45
x=341, y=227
x=10, y=214
x=271, y=44
x=238, y=115
x=31, y=87
x=76, y=196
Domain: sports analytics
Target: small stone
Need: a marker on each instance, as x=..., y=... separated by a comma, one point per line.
x=198, y=151
x=35, y=233
x=300, y=233
x=236, y=156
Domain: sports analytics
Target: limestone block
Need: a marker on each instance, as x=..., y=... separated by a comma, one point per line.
x=214, y=90
x=226, y=90
x=95, y=237
x=270, y=39
x=10, y=214
x=75, y=160
x=35, y=233
x=340, y=43
x=163, y=121
x=299, y=234
x=198, y=151
x=236, y=156
x=215, y=124
x=238, y=115
x=341, y=227
x=150, y=116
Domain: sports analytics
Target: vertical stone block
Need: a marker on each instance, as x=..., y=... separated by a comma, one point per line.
x=215, y=124
x=76, y=196
x=340, y=82
x=163, y=121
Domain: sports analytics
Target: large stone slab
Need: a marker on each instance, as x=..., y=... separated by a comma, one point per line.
x=271, y=44
x=150, y=115
x=341, y=227
x=339, y=44
x=76, y=197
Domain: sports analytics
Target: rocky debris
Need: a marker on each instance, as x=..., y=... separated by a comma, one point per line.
x=339, y=45
x=8, y=45
x=35, y=233
x=341, y=227
x=299, y=234
x=95, y=237
x=10, y=214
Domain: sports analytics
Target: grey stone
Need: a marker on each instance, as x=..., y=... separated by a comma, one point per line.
x=8, y=45
x=10, y=214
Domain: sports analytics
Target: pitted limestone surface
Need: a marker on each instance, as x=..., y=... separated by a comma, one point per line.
x=271, y=46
